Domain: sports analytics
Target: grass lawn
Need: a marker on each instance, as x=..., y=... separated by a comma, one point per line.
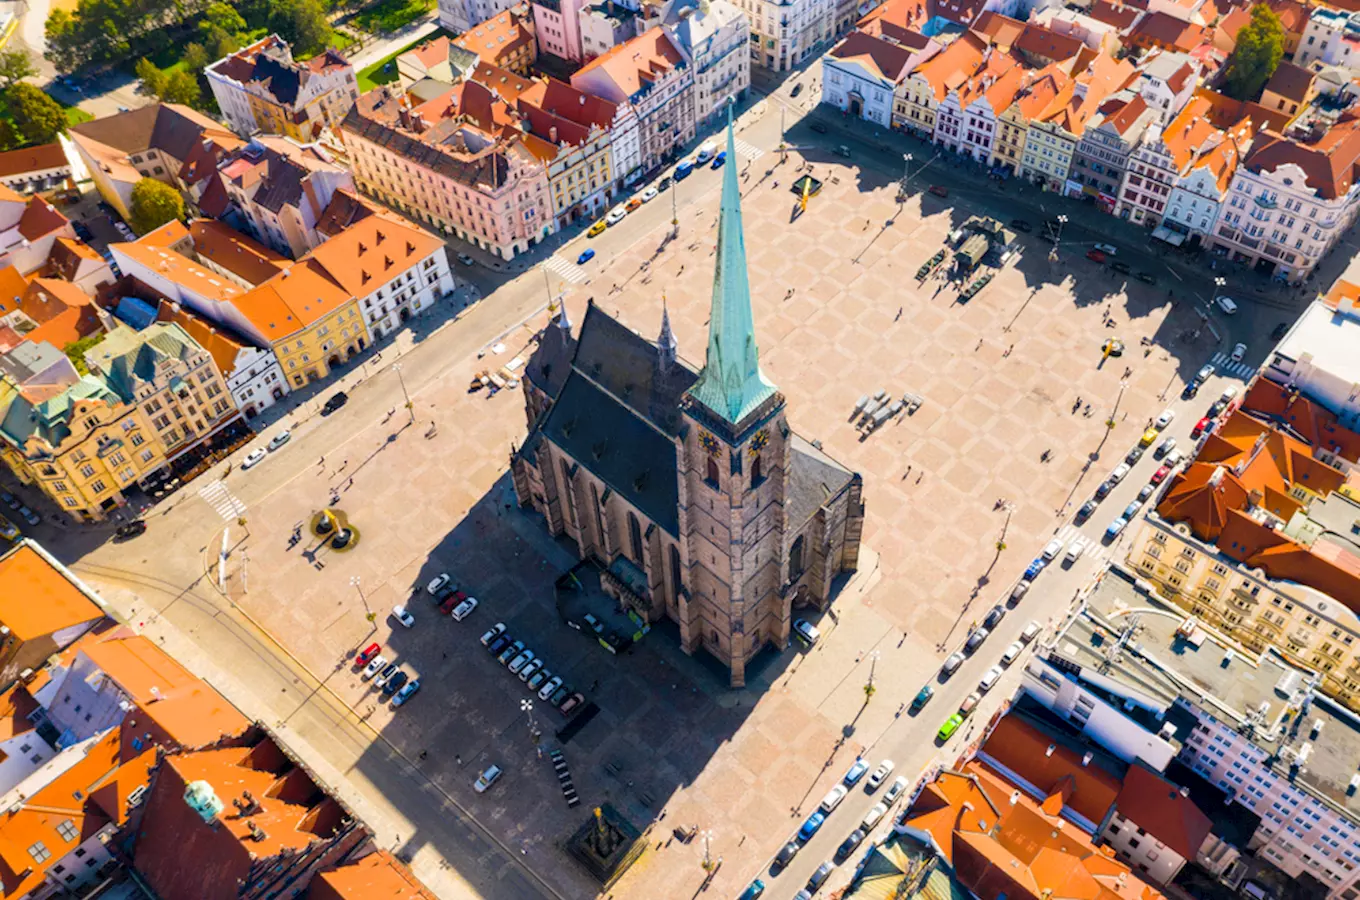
x=75, y=115
x=340, y=40
x=388, y=15
x=379, y=73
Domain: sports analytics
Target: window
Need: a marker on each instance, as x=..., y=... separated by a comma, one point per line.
x=68, y=830
x=712, y=474
x=39, y=852
x=635, y=539
x=756, y=475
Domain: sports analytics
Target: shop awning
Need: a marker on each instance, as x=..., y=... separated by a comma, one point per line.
x=1174, y=238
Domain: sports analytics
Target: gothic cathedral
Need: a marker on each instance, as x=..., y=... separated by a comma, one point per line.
x=688, y=488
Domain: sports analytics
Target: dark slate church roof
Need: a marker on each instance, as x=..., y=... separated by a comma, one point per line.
x=813, y=479
x=615, y=412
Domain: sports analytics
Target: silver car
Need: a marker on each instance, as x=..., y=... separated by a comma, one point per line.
x=521, y=661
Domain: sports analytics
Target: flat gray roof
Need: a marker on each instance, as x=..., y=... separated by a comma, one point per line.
x=1330, y=336
x=1157, y=663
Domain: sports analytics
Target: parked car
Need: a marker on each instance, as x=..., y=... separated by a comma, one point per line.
x=559, y=696
x=388, y=672
x=1012, y=653
x=989, y=679
x=719, y=160
x=895, y=790
x=874, y=816
x=786, y=854
x=975, y=639
x=254, y=458
x=633, y=204
x=1096, y=256
x=1165, y=447
x=438, y=583
x=797, y=89
x=464, y=609
x=1204, y=374
x=1279, y=331
x=663, y=183
x=922, y=697
x=1226, y=304
x=552, y=684
x=1131, y=511
x=489, y=777
x=878, y=776
x=1146, y=277
x=280, y=439
x=10, y=500
x=366, y=654
x=521, y=660
x=1158, y=477
x=537, y=679
x=1031, y=632
x=1122, y=268
x=1111, y=249
x=529, y=669
x=129, y=530
x=406, y=692
x=1145, y=492
x=1149, y=436
x=1134, y=455
x=1052, y=549
x=1203, y=425
x=395, y=683
x=402, y=615
x=951, y=664
x=820, y=876
x=810, y=827
x=615, y=215
x=465, y=260
x=1086, y=510
x=1115, y=528
x=649, y=194
x=939, y=190
x=1119, y=472
x=996, y=614
x=807, y=631
x=683, y=170
x=1018, y=592
x=1033, y=569
x=855, y=772
x=514, y=649
x=448, y=599
x=337, y=400
x=571, y=704
x=1174, y=458
x=818, y=127
x=969, y=704
x=492, y=633
x=374, y=666
x=950, y=726
x=586, y=256
x=1104, y=488
x=849, y=845
x=1074, y=551
x=1165, y=418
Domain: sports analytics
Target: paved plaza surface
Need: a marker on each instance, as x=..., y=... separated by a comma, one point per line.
x=838, y=315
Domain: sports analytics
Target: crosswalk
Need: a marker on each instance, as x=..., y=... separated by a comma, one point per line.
x=1092, y=548
x=1224, y=364
x=564, y=778
x=216, y=495
x=748, y=150
x=567, y=270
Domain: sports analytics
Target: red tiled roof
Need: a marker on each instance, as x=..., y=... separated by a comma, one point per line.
x=378, y=876
x=1159, y=808
x=1089, y=791
x=884, y=59
x=1161, y=29
x=1328, y=164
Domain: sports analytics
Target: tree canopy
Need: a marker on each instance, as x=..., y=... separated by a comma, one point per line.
x=15, y=66
x=37, y=116
x=153, y=204
x=1260, y=47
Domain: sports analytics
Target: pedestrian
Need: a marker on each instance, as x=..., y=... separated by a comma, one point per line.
x=899, y=313
x=919, y=477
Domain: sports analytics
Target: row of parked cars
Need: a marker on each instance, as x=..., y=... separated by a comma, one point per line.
x=532, y=670
x=387, y=676
x=856, y=772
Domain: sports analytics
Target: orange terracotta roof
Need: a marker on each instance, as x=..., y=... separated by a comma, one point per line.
x=500, y=38
x=137, y=665
x=33, y=159
x=1164, y=30
x=882, y=59
x=13, y=287
x=1089, y=791
x=1293, y=15
x=1315, y=425
x=40, y=219
x=370, y=253
x=1119, y=15
x=1158, y=807
x=237, y=253
x=38, y=818
x=639, y=62
x=1189, y=133
x=954, y=65
x=223, y=345
x=37, y=599
x=181, y=270
x=378, y=876
x=1226, y=112
x=1328, y=164
x=1048, y=92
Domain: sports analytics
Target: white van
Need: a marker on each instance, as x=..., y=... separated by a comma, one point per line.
x=833, y=799
x=1227, y=305
x=1074, y=551
x=707, y=152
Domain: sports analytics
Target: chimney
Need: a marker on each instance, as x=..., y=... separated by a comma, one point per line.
x=1086, y=760
x=404, y=115
x=1185, y=792
x=1051, y=748
x=1015, y=797
x=256, y=832
x=552, y=133
x=418, y=122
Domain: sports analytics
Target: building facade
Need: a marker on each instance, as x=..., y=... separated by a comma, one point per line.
x=572, y=132
x=261, y=89
x=558, y=26
x=784, y=34
x=685, y=490
x=713, y=36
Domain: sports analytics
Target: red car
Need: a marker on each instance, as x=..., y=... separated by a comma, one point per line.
x=451, y=601
x=1160, y=475
x=366, y=656
x=939, y=191
x=1201, y=426
x=1095, y=256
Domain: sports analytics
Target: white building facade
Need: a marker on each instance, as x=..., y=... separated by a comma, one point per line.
x=713, y=35
x=784, y=34
x=457, y=16
x=1332, y=36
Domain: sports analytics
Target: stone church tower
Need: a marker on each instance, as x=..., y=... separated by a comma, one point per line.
x=687, y=487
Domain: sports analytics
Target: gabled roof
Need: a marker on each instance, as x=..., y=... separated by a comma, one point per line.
x=221, y=343
x=1328, y=163
x=345, y=209
x=33, y=159
x=1121, y=16
x=881, y=59
x=168, y=127
x=1161, y=29
x=37, y=598
x=954, y=65
x=501, y=37
x=1291, y=82
x=378, y=876
x=1088, y=790
x=636, y=64
x=1159, y=808
x=239, y=254
x=372, y=252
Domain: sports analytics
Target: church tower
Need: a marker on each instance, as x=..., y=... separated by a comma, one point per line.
x=734, y=459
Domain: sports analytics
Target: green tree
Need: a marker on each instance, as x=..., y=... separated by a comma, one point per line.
x=182, y=87
x=303, y=24
x=153, y=204
x=1260, y=47
x=152, y=78
x=15, y=66
x=76, y=351
x=38, y=117
x=64, y=48
x=9, y=137
x=221, y=17
x=196, y=59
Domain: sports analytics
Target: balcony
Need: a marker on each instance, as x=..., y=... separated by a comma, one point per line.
x=1265, y=202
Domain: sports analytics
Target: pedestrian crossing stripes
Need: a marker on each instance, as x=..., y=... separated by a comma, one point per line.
x=1225, y=365
x=570, y=271
x=564, y=777
x=748, y=150
x=1090, y=547
x=216, y=495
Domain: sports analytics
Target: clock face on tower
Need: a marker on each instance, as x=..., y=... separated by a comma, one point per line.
x=712, y=446
x=758, y=442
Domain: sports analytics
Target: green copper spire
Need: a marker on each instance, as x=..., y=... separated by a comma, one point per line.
x=731, y=383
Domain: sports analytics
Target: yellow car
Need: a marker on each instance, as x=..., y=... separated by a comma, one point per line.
x=1148, y=437
x=7, y=530
x=597, y=228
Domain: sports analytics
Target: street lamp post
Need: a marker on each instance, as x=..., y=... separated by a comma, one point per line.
x=357, y=583
x=1057, y=239
x=1109, y=423
x=528, y=708
x=906, y=174
x=675, y=213
x=869, y=685
x=708, y=857
x=410, y=407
